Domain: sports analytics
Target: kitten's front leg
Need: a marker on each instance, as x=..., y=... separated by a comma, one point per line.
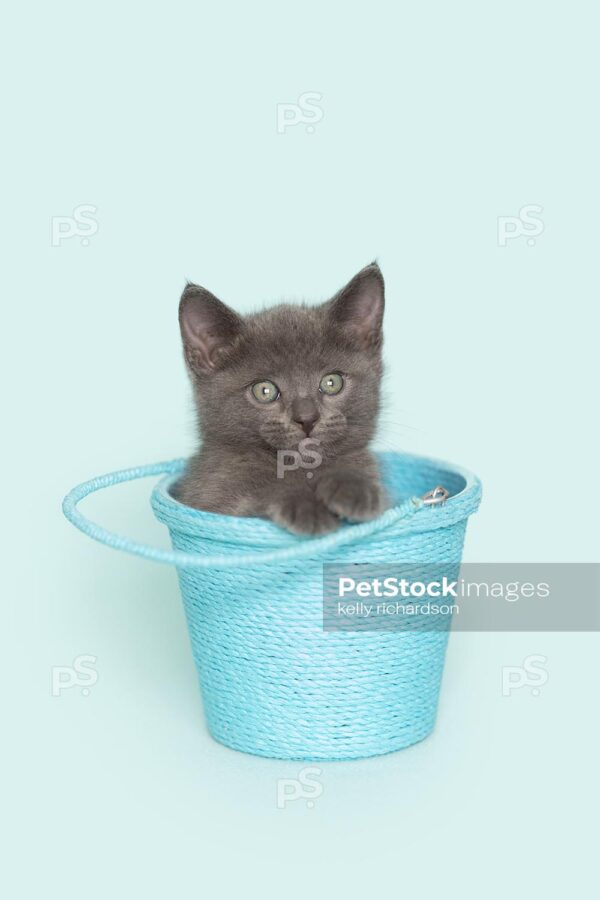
x=301, y=512
x=350, y=494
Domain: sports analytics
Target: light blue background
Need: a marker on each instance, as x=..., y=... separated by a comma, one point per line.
x=437, y=119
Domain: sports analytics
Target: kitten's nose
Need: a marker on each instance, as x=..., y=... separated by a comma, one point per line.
x=305, y=413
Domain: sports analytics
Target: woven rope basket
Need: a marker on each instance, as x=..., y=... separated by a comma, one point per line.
x=274, y=683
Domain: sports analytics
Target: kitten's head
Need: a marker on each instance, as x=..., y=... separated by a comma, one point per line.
x=276, y=377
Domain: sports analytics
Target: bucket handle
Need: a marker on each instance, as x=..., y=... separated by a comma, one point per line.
x=305, y=548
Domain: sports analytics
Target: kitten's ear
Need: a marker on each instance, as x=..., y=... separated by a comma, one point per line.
x=208, y=328
x=358, y=307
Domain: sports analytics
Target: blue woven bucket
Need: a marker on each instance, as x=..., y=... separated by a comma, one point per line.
x=273, y=682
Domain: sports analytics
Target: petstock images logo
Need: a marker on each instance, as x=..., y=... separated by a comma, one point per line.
x=475, y=597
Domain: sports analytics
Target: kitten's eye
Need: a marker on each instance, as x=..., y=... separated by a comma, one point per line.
x=331, y=384
x=265, y=391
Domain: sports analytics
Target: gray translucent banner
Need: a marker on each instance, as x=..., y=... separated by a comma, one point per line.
x=475, y=597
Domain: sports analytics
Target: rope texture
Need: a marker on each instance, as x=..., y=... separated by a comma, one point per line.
x=273, y=682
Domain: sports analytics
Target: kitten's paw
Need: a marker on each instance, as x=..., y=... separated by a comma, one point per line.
x=304, y=514
x=351, y=496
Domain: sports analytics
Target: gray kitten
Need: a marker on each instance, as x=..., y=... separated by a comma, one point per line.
x=287, y=402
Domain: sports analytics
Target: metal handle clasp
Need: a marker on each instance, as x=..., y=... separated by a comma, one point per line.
x=436, y=497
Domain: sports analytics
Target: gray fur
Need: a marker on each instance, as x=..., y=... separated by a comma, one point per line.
x=235, y=470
